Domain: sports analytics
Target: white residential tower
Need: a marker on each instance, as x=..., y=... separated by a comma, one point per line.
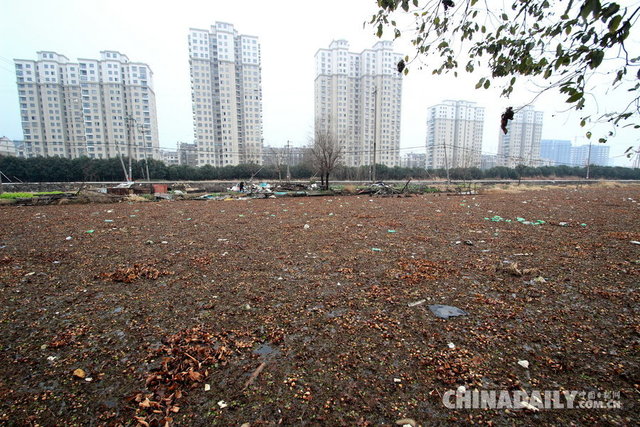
x=226, y=92
x=358, y=98
x=454, y=135
x=521, y=144
x=95, y=108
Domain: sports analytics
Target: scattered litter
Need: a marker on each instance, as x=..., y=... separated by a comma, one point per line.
x=451, y=345
x=524, y=363
x=416, y=303
x=108, y=220
x=468, y=242
x=391, y=231
x=635, y=242
x=222, y=404
x=246, y=307
x=376, y=249
x=51, y=358
x=446, y=311
x=529, y=406
x=539, y=279
x=79, y=373
x=149, y=242
x=498, y=218
x=89, y=231
x=164, y=242
x=207, y=387
x=583, y=225
x=69, y=238
x=406, y=422
x=397, y=380
x=307, y=226
x=563, y=224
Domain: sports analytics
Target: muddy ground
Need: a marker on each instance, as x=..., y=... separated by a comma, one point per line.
x=225, y=313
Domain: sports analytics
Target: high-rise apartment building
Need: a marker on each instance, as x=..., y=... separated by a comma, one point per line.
x=556, y=151
x=358, y=98
x=226, y=93
x=454, y=135
x=521, y=144
x=95, y=108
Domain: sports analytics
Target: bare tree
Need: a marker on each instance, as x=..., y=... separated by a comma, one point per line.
x=326, y=152
x=278, y=155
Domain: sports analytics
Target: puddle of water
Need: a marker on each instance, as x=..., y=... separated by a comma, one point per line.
x=266, y=350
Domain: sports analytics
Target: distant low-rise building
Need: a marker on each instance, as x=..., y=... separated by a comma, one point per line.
x=7, y=147
x=488, y=161
x=169, y=157
x=284, y=155
x=414, y=160
x=187, y=154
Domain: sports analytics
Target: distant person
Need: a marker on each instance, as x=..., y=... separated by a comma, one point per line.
x=242, y=186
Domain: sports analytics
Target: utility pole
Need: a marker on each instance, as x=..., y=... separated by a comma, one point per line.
x=124, y=169
x=144, y=147
x=589, y=159
x=1, y=191
x=446, y=162
x=375, y=132
x=288, y=161
x=129, y=119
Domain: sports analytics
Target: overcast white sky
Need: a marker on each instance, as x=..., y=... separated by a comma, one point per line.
x=290, y=33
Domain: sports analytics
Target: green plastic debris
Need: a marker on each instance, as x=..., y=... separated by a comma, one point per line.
x=583, y=225
x=520, y=219
x=108, y=220
x=376, y=249
x=507, y=220
x=241, y=216
x=89, y=231
x=391, y=231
